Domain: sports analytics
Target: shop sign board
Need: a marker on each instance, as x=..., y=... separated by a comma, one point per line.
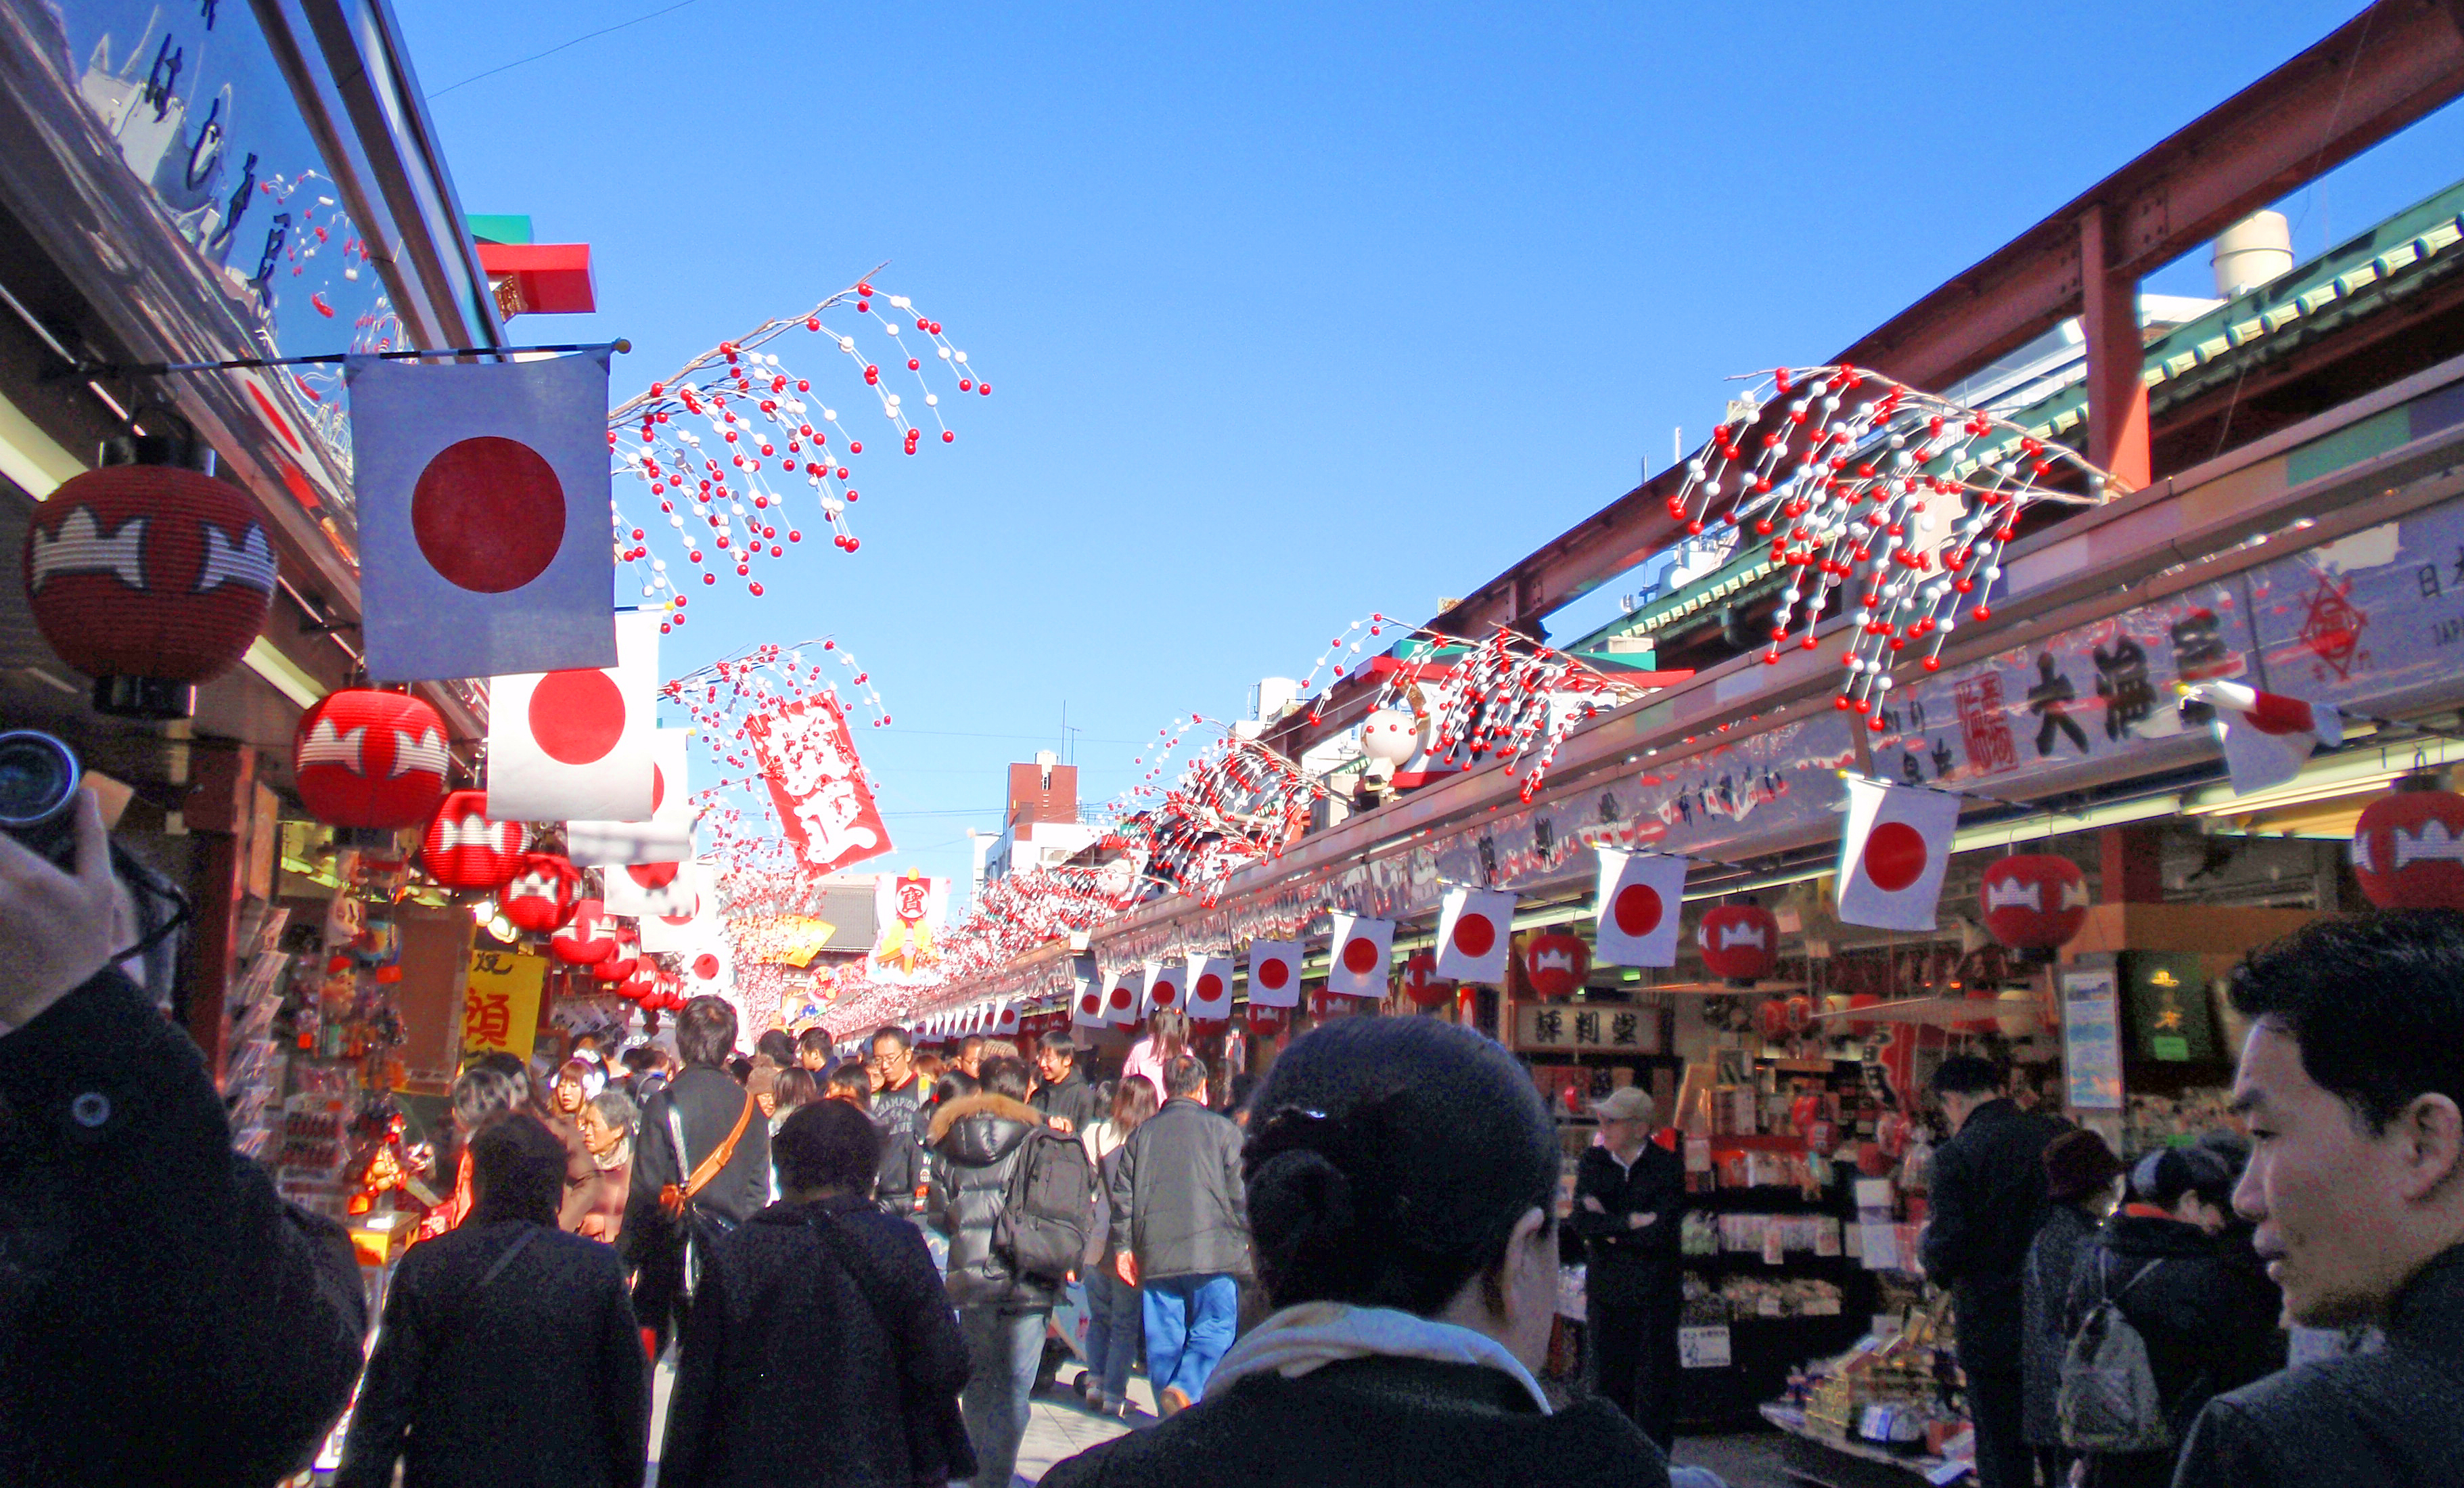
x=2091, y=1038
x=2169, y=1018
x=1702, y=1348
x=500, y=1003
x=1575, y=1028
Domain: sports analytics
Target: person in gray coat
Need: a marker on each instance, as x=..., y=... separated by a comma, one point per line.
x=2080, y=1170
x=1180, y=1227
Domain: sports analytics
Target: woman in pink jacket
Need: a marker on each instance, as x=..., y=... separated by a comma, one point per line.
x=1167, y=1036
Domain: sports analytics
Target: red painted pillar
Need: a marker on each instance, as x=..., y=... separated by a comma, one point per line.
x=2133, y=861
x=2117, y=400
x=218, y=810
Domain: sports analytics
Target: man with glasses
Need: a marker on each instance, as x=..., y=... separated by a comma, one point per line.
x=1629, y=1193
x=897, y=1109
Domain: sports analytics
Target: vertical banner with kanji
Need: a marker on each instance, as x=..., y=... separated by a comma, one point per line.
x=500, y=1003
x=910, y=909
x=825, y=805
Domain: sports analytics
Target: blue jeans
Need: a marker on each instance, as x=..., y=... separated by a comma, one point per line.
x=1190, y=1322
x=1003, y=1349
x=1114, y=1319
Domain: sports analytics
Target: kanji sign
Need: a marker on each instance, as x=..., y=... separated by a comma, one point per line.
x=500, y=1003
x=1609, y=1029
x=824, y=803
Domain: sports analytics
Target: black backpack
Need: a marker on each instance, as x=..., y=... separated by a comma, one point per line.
x=1048, y=1207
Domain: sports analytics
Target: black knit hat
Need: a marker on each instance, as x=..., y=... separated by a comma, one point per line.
x=2077, y=1164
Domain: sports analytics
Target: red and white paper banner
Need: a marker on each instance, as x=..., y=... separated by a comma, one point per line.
x=1274, y=973
x=824, y=802
x=1893, y=853
x=1475, y=935
x=1641, y=895
x=2267, y=737
x=1210, y=987
x=1358, y=953
x=562, y=745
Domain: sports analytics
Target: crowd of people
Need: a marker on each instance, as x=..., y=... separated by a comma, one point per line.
x=1349, y=1277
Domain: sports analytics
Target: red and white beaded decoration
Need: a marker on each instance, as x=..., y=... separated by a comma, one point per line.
x=718, y=444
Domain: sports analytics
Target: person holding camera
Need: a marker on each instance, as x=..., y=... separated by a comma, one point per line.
x=165, y=1317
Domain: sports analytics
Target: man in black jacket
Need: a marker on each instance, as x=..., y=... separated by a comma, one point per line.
x=1065, y=1097
x=899, y=1101
x=703, y=1105
x=2352, y=1081
x=164, y=1316
x=509, y=1353
x=1180, y=1225
x=976, y=1143
x=1628, y=1197
x=1988, y=1199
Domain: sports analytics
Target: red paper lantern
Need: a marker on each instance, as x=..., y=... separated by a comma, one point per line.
x=1740, y=942
x=1265, y=1022
x=590, y=937
x=542, y=895
x=1420, y=982
x=2034, y=902
x=149, y=578
x=370, y=760
x=1800, y=1015
x=1556, y=964
x=2409, y=846
x=1863, y=1028
x=465, y=850
x=614, y=969
x=1772, y=1016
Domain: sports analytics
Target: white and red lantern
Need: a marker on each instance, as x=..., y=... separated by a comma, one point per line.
x=1556, y=964
x=1740, y=942
x=1265, y=1022
x=542, y=896
x=2409, y=846
x=148, y=578
x=1421, y=981
x=370, y=760
x=588, y=938
x=465, y=849
x=2034, y=902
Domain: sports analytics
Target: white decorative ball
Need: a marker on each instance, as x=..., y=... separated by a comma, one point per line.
x=1390, y=734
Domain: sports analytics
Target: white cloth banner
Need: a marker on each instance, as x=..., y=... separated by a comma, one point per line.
x=1359, y=951
x=1640, y=897
x=1275, y=973
x=562, y=745
x=667, y=837
x=1475, y=936
x=1893, y=853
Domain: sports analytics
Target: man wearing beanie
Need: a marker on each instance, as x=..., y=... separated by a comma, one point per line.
x=2080, y=1170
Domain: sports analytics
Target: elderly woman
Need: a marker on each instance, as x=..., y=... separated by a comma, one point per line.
x=607, y=1125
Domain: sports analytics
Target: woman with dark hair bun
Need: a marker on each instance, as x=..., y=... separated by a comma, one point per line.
x=1400, y=1173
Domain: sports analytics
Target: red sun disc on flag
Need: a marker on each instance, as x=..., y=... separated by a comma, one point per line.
x=1637, y=909
x=577, y=716
x=1895, y=856
x=2278, y=714
x=489, y=514
x=1121, y=996
x=1271, y=974
x=1210, y=987
x=652, y=876
x=706, y=967
x=1164, y=995
x=1474, y=935
x=1090, y=1005
x=1360, y=956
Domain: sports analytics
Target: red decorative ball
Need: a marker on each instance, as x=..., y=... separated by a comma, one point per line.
x=2407, y=847
x=1740, y=942
x=1556, y=964
x=1421, y=981
x=1772, y=1016
x=149, y=579
x=369, y=759
x=588, y=938
x=2034, y=902
x=466, y=850
x=542, y=894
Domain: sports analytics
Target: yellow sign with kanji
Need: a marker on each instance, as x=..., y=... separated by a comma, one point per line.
x=500, y=1003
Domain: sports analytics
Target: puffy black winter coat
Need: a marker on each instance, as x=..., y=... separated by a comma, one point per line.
x=165, y=1317
x=807, y=1361
x=1988, y=1199
x=2206, y=1315
x=536, y=1379
x=975, y=1145
x=2067, y=1234
x=1180, y=1204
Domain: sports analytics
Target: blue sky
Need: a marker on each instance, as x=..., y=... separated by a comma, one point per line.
x=1291, y=313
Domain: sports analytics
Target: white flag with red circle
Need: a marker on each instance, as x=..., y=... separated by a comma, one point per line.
x=710, y=965
x=1210, y=987
x=643, y=890
x=1274, y=973
x=1475, y=929
x=562, y=745
x=1893, y=853
x=1358, y=954
x=1641, y=895
x=1086, y=996
x=667, y=837
x=2267, y=737
x=1167, y=986
x=688, y=910
x=483, y=517
x=1124, y=993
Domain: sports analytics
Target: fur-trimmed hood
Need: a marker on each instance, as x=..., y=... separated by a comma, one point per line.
x=978, y=1144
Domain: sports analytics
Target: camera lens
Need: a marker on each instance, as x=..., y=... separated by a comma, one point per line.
x=39, y=782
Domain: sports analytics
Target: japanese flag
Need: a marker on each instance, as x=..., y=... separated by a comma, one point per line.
x=1210, y=987
x=642, y=890
x=688, y=913
x=562, y=745
x=1474, y=927
x=1275, y=973
x=2267, y=737
x=1086, y=996
x=665, y=837
x=1165, y=984
x=710, y=965
x=1124, y=989
x=1893, y=853
x=1639, y=894
x=1006, y=1021
x=1358, y=955
x=483, y=517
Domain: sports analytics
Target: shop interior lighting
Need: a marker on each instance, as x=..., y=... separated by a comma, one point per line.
x=2346, y=775
x=284, y=674
x=34, y=461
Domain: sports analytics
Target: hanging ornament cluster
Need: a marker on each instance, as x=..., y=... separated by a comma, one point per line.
x=719, y=444
x=1236, y=802
x=1506, y=697
x=1898, y=501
